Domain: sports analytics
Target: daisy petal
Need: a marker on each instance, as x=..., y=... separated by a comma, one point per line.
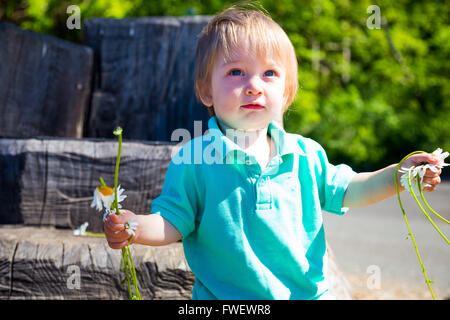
x=97, y=201
x=106, y=214
x=131, y=227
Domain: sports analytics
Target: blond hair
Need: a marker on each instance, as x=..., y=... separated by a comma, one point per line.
x=265, y=36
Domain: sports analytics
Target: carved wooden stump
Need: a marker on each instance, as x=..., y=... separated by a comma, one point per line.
x=45, y=84
x=144, y=76
x=49, y=263
x=50, y=182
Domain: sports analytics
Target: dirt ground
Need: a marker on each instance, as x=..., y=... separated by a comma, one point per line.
x=392, y=291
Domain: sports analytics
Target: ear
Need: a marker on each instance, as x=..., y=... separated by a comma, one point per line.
x=207, y=99
x=206, y=96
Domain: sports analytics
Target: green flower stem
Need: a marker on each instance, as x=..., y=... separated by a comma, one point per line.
x=428, y=282
x=406, y=221
x=423, y=210
x=130, y=272
x=429, y=208
x=93, y=234
x=125, y=262
x=133, y=272
x=117, y=132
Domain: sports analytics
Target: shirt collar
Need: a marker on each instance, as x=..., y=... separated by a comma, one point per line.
x=284, y=142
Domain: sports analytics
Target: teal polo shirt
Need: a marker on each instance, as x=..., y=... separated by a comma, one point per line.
x=250, y=233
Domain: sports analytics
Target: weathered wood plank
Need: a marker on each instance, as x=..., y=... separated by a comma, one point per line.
x=8, y=247
x=49, y=263
x=12, y=162
x=45, y=84
x=51, y=181
x=144, y=76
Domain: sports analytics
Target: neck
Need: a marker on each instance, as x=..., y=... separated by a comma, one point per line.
x=256, y=142
x=246, y=139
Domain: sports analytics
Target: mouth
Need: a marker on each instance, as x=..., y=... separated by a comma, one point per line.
x=253, y=106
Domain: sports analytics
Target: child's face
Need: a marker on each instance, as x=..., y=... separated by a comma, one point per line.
x=248, y=91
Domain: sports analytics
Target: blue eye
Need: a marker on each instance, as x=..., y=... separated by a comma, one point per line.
x=236, y=72
x=269, y=73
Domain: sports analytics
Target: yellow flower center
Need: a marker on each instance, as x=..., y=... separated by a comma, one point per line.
x=105, y=190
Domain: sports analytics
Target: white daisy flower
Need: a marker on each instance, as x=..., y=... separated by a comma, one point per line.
x=104, y=197
x=131, y=227
x=421, y=170
x=441, y=156
x=81, y=230
x=120, y=195
x=414, y=172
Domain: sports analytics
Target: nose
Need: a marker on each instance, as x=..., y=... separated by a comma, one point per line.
x=253, y=88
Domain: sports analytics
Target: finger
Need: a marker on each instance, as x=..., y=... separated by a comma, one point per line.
x=115, y=230
x=430, y=173
x=425, y=157
x=433, y=181
x=112, y=232
x=114, y=223
x=117, y=245
x=117, y=236
x=125, y=212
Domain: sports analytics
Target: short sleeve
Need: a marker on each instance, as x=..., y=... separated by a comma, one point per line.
x=178, y=201
x=333, y=181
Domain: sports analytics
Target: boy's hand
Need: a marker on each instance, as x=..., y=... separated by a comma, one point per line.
x=114, y=228
x=432, y=174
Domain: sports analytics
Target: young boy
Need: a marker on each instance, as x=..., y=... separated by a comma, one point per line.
x=246, y=198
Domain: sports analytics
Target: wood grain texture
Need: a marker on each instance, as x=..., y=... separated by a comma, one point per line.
x=50, y=182
x=49, y=263
x=45, y=84
x=144, y=76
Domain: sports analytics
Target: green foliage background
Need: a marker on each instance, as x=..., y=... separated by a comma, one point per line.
x=369, y=96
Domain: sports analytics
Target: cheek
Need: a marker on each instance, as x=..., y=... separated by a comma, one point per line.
x=276, y=93
x=226, y=92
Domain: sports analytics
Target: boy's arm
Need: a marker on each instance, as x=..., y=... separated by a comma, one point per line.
x=152, y=230
x=367, y=188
